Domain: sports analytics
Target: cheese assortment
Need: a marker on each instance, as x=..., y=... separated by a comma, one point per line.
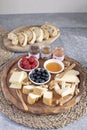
x=66, y=87
x=34, y=34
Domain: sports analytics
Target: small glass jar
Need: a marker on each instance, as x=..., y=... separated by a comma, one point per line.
x=35, y=51
x=59, y=53
x=46, y=52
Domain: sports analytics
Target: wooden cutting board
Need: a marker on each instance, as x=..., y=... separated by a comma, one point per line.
x=9, y=46
x=38, y=108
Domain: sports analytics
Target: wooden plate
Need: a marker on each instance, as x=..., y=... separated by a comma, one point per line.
x=37, y=108
x=9, y=46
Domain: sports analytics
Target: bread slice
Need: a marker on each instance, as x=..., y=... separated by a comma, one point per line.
x=39, y=90
x=29, y=34
x=18, y=77
x=32, y=98
x=33, y=38
x=53, y=31
x=27, y=89
x=15, y=85
x=45, y=34
x=39, y=33
x=47, y=98
x=14, y=38
x=22, y=39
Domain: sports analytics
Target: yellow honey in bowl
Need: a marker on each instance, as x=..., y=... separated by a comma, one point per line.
x=53, y=67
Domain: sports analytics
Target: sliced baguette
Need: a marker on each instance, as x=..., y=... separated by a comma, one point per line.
x=39, y=33
x=33, y=39
x=22, y=39
x=13, y=38
x=29, y=34
x=53, y=31
x=45, y=34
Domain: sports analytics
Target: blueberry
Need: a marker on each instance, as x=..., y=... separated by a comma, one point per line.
x=37, y=81
x=43, y=74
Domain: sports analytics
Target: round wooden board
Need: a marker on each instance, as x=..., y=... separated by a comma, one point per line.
x=9, y=46
x=38, y=108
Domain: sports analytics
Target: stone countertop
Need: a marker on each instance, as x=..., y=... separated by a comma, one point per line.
x=73, y=27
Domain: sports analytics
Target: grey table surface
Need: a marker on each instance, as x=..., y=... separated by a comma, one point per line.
x=73, y=27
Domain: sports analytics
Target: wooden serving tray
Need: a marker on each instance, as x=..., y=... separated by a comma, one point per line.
x=37, y=108
x=9, y=46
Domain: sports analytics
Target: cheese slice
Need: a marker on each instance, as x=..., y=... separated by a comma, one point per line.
x=66, y=91
x=32, y=98
x=39, y=90
x=68, y=78
x=15, y=86
x=18, y=77
x=47, y=98
x=27, y=89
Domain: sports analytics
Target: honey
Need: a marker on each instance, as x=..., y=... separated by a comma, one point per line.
x=53, y=67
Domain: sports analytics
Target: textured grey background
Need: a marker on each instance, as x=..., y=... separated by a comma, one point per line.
x=73, y=38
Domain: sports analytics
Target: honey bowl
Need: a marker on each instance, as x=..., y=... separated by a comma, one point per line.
x=54, y=66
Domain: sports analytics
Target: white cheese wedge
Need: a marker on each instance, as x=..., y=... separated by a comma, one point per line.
x=68, y=78
x=66, y=91
x=32, y=98
x=15, y=86
x=18, y=77
x=47, y=98
x=27, y=89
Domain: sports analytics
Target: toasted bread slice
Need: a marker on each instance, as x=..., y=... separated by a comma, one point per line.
x=13, y=37
x=22, y=39
x=29, y=34
x=45, y=34
x=53, y=31
x=39, y=33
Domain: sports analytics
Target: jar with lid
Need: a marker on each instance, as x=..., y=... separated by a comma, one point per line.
x=34, y=50
x=58, y=53
x=46, y=52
